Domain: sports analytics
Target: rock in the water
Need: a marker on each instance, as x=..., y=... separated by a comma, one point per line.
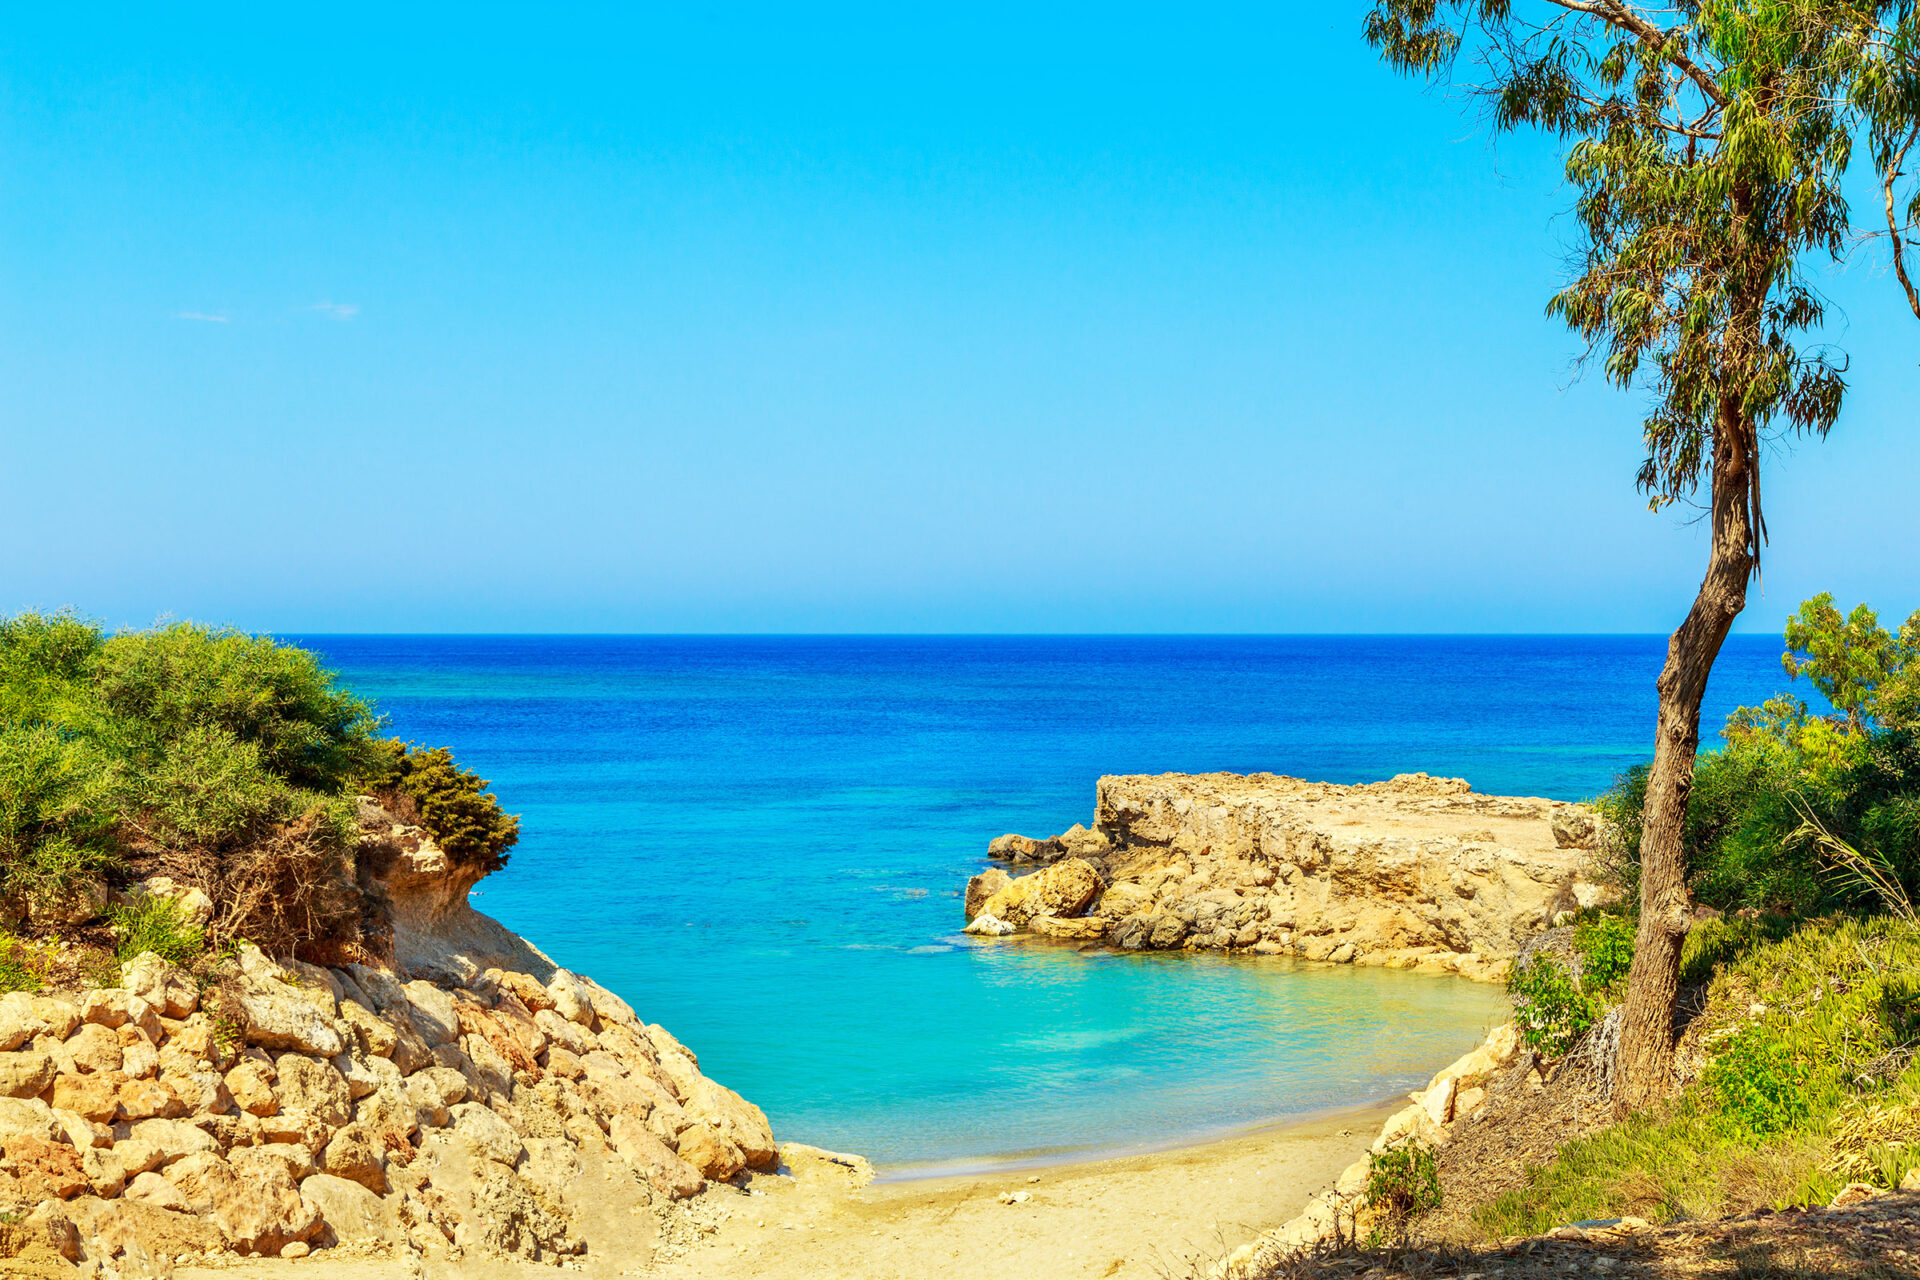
x=984, y=886
x=1023, y=849
x=988, y=925
x=1084, y=929
x=1124, y=899
x=1064, y=889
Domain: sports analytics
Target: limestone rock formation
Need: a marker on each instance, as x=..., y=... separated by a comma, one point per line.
x=466, y=1098
x=1415, y=872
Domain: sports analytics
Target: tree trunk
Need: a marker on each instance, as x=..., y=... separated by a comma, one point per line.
x=1644, y=1068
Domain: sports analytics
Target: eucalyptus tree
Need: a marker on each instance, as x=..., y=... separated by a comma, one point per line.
x=1705, y=141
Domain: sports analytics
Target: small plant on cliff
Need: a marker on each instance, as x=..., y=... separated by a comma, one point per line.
x=1401, y=1182
x=155, y=924
x=452, y=803
x=1549, y=1007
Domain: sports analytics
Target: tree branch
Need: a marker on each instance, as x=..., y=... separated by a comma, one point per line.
x=1616, y=14
x=1895, y=231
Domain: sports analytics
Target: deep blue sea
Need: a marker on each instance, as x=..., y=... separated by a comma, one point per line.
x=761, y=842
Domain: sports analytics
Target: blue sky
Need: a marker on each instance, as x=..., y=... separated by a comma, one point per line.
x=834, y=319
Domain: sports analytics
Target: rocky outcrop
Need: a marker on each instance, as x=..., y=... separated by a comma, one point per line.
x=469, y=1098
x=1415, y=872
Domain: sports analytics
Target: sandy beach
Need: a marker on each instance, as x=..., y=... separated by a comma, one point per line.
x=1130, y=1218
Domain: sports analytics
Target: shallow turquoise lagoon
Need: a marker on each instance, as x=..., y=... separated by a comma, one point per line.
x=761, y=843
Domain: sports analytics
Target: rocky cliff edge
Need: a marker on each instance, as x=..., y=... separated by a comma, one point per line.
x=465, y=1099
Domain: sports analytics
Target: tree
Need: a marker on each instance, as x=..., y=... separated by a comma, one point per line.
x=1706, y=142
x=1846, y=658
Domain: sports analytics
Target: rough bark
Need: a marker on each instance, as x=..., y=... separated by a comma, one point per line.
x=1645, y=1064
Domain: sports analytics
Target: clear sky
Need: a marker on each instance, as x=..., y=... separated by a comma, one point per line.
x=818, y=318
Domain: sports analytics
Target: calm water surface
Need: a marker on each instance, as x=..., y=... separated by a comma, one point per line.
x=760, y=842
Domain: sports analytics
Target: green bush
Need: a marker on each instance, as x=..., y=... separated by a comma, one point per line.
x=1758, y=1083
x=155, y=924
x=1605, y=947
x=450, y=802
x=1550, y=1009
x=228, y=760
x=170, y=681
x=1402, y=1181
x=1814, y=1023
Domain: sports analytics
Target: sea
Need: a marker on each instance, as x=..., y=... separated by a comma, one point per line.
x=761, y=843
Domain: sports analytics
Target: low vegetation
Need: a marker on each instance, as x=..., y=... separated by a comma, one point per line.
x=225, y=761
x=1800, y=1055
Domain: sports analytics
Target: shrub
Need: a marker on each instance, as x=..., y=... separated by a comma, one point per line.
x=450, y=802
x=155, y=924
x=1402, y=1181
x=1758, y=1082
x=1605, y=947
x=172, y=680
x=23, y=966
x=58, y=799
x=1551, y=1010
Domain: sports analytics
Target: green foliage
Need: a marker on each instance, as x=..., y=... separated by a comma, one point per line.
x=155, y=924
x=230, y=759
x=1402, y=1181
x=450, y=802
x=1605, y=947
x=23, y=966
x=1851, y=660
x=59, y=799
x=1783, y=1115
x=1758, y=1083
x=1549, y=1007
x=171, y=681
x=1793, y=804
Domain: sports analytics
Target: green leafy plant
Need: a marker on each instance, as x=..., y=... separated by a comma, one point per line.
x=1759, y=1082
x=1401, y=1182
x=1605, y=947
x=23, y=966
x=1551, y=1010
x=155, y=924
x=450, y=802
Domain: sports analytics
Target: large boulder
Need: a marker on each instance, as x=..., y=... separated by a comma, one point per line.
x=653, y=1159
x=256, y=1206
x=1574, y=827
x=167, y=987
x=352, y=1213
x=1064, y=889
x=982, y=887
x=1016, y=848
x=25, y=1074
x=307, y=1084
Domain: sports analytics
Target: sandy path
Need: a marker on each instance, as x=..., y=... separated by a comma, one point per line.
x=1139, y=1217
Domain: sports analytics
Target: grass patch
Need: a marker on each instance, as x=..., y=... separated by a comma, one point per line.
x=23, y=964
x=1811, y=1081
x=155, y=924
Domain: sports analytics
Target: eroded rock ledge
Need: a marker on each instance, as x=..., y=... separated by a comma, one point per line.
x=1415, y=872
x=467, y=1098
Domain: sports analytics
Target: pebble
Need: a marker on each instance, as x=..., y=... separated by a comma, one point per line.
x=1015, y=1197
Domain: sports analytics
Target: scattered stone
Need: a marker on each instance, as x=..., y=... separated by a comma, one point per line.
x=988, y=925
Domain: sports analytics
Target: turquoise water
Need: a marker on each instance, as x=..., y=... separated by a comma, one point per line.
x=760, y=842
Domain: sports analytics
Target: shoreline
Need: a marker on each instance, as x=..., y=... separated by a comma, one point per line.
x=1040, y=1161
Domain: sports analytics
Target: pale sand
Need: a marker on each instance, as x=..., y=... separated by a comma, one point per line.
x=1137, y=1217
